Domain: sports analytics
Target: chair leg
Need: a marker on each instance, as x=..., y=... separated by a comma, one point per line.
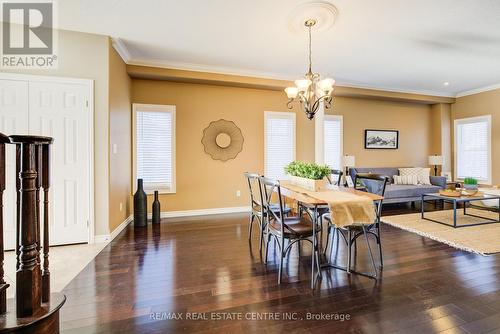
x=369, y=250
x=379, y=241
x=313, y=260
x=268, y=236
x=321, y=229
x=317, y=260
x=349, y=244
x=261, y=232
x=328, y=230
x=281, y=262
x=335, y=236
x=252, y=217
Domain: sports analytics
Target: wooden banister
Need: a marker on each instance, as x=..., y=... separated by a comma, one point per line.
x=35, y=307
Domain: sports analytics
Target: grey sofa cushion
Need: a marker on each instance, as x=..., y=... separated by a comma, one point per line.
x=387, y=171
x=402, y=190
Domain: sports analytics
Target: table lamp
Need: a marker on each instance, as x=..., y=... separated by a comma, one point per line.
x=349, y=161
x=435, y=160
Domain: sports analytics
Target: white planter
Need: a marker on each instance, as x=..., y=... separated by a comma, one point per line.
x=309, y=184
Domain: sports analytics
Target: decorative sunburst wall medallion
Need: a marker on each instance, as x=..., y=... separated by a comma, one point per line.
x=222, y=140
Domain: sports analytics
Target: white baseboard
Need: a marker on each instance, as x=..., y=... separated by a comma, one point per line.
x=109, y=237
x=171, y=214
x=202, y=212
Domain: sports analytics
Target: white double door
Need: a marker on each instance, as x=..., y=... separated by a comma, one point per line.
x=60, y=110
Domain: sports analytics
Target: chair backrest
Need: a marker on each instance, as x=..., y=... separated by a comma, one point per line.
x=255, y=188
x=272, y=187
x=372, y=183
x=337, y=177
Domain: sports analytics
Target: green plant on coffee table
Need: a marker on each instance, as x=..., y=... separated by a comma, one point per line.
x=470, y=181
x=307, y=170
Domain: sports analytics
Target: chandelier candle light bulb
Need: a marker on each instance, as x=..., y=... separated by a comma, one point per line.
x=311, y=90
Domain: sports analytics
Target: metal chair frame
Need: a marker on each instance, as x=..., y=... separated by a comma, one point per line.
x=270, y=187
x=372, y=229
x=254, y=179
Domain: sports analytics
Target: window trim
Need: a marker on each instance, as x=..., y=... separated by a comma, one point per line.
x=340, y=118
x=155, y=108
x=282, y=114
x=458, y=121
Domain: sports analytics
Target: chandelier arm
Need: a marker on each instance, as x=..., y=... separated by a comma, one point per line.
x=315, y=106
x=328, y=102
x=289, y=104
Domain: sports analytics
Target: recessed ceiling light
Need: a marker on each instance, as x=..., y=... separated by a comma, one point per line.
x=446, y=83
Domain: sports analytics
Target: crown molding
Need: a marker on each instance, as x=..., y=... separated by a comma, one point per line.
x=208, y=69
x=122, y=49
x=267, y=75
x=478, y=90
x=396, y=90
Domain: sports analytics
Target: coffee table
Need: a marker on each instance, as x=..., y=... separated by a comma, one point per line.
x=465, y=200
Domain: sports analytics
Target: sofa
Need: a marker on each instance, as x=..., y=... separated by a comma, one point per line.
x=398, y=193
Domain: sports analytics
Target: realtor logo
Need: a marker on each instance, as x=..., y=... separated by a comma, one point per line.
x=28, y=35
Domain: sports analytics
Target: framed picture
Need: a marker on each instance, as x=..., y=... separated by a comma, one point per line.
x=381, y=139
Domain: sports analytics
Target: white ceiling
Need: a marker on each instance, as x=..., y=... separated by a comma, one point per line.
x=400, y=45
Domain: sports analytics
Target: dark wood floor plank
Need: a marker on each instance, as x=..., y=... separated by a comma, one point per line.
x=205, y=265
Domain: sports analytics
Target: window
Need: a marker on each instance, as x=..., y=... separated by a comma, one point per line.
x=279, y=143
x=332, y=140
x=154, y=147
x=473, y=148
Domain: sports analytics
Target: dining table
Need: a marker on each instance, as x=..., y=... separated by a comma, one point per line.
x=302, y=195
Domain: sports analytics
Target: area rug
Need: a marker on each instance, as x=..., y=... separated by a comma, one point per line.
x=484, y=239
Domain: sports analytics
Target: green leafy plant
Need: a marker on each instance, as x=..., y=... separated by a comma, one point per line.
x=470, y=181
x=307, y=170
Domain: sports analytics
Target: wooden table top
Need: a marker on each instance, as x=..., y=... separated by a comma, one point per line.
x=302, y=197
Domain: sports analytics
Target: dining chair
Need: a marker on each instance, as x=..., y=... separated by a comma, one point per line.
x=285, y=228
x=257, y=211
x=375, y=184
x=337, y=177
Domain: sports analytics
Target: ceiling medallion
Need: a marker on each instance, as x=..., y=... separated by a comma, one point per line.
x=311, y=90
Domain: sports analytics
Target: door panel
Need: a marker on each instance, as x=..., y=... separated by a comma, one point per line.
x=13, y=121
x=59, y=110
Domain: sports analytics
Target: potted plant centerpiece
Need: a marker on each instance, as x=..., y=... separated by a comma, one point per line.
x=308, y=175
x=470, y=183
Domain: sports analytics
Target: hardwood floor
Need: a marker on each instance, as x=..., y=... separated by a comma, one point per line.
x=205, y=267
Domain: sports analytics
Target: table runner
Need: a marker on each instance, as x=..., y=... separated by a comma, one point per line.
x=346, y=208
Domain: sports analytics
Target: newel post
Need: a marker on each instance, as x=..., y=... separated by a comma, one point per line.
x=3, y=285
x=29, y=275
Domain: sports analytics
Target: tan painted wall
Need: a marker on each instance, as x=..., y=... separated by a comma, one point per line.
x=85, y=56
x=412, y=120
x=487, y=103
x=120, y=134
x=205, y=183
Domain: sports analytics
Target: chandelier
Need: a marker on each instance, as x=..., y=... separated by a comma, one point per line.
x=311, y=90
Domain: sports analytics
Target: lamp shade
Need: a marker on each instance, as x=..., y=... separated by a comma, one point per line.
x=349, y=161
x=302, y=84
x=291, y=92
x=435, y=160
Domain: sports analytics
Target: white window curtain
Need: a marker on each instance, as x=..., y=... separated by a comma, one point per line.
x=155, y=147
x=279, y=142
x=332, y=140
x=473, y=148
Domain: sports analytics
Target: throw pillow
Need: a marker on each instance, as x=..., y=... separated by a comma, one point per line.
x=413, y=171
x=407, y=179
x=425, y=176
